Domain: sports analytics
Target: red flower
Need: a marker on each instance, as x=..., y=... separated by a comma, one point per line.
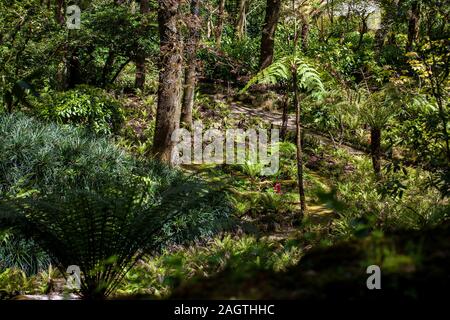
x=277, y=188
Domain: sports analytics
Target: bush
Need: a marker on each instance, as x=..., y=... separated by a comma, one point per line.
x=18, y=253
x=105, y=233
x=63, y=187
x=241, y=257
x=86, y=106
x=12, y=281
x=36, y=157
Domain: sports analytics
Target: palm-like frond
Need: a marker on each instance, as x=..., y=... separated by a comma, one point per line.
x=283, y=69
x=103, y=233
x=377, y=108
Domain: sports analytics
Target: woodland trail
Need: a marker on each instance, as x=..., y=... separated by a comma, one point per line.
x=275, y=118
x=317, y=213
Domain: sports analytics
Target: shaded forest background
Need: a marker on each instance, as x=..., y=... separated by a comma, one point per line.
x=358, y=89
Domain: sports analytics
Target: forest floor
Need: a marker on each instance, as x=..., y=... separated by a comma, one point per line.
x=318, y=212
x=324, y=272
x=274, y=253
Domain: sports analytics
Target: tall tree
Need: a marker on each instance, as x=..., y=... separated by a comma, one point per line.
x=220, y=23
x=298, y=74
x=141, y=56
x=268, y=33
x=170, y=76
x=59, y=11
x=191, y=65
x=413, y=24
x=241, y=19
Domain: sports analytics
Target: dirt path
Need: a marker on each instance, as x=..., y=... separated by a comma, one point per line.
x=275, y=118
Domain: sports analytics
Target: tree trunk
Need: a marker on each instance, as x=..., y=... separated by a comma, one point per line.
x=375, y=150
x=240, y=25
x=191, y=61
x=60, y=12
x=305, y=35
x=268, y=33
x=413, y=25
x=141, y=56
x=73, y=69
x=220, y=22
x=330, y=11
x=284, y=120
x=363, y=30
x=170, y=76
x=380, y=35
x=298, y=124
x=107, y=68
x=437, y=93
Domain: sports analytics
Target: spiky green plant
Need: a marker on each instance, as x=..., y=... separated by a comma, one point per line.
x=376, y=109
x=284, y=69
x=16, y=252
x=104, y=234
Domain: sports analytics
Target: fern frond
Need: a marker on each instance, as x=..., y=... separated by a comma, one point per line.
x=282, y=70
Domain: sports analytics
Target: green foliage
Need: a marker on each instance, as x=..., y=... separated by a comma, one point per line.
x=85, y=106
x=241, y=50
x=375, y=109
x=366, y=205
x=104, y=232
x=66, y=186
x=282, y=70
x=18, y=253
x=12, y=282
x=38, y=157
x=158, y=275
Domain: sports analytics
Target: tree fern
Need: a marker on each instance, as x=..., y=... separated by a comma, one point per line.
x=103, y=234
x=282, y=70
x=295, y=71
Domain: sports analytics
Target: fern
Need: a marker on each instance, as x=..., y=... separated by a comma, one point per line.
x=104, y=234
x=377, y=108
x=282, y=70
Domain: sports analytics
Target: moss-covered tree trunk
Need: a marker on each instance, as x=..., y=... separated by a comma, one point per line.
x=220, y=23
x=305, y=34
x=268, y=33
x=240, y=24
x=141, y=56
x=191, y=65
x=284, y=119
x=170, y=76
x=413, y=25
x=59, y=11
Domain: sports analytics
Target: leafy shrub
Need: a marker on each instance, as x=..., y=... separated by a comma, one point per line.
x=76, y=188
x=12, y=281
x=235, y=60
x=86, y=106
x=368, y=204
x=18, y=253
x=104, y=233
x=37, y=157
